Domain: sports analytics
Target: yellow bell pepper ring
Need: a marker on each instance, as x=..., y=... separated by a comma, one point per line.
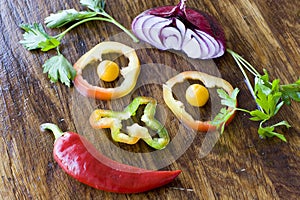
x=178, y=108
x=130, y=73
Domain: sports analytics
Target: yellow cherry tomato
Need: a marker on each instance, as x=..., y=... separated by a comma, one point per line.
x=197, y=95
x=108, y=70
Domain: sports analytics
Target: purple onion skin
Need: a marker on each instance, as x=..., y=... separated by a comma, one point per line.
x=198, y=25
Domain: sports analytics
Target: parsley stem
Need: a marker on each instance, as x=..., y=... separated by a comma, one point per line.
x=243, y=110
x=57, y=50
x=107, y=18
x=241, y=62
x=62, y=34
x=244, y=62
x=115, y=22
x=236, y=59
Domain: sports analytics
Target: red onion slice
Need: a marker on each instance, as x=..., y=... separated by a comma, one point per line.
x=191, y=46
x=139, y=29
x=219, y=48
x=177, y=27
x=211, y=43
x=147, y=26
x=172, y=38
x=156, y=33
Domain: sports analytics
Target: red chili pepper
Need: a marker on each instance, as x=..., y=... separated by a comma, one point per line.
x=81, y=160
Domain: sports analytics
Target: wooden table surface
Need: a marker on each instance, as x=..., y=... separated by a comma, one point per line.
x=240, y=166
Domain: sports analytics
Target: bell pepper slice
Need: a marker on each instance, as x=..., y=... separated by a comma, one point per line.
x=130, y=73
x=178, y=108
x=100, y=119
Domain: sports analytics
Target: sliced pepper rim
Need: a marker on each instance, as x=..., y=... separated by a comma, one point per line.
x=178, y=108
x=130, y=73
x=100, y=119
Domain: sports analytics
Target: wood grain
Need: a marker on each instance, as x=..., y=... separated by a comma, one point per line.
x=240, y=166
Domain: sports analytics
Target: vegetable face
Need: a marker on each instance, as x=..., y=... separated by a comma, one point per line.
x=177, y=107
x=176, y=27
x=130, y=73
x=81, y=160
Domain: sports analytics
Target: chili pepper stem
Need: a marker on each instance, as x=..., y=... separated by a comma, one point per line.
x=52, y=127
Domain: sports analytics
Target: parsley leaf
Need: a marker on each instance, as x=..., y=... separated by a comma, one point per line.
x=59, y=68
x=56, y=20
x=35, y=37
x=224, y=115
x=291, y=92
x=268, y=131
x=258, y=115
x=48, y=44
x=268, y=98
x=95, y=5
x=228, y=100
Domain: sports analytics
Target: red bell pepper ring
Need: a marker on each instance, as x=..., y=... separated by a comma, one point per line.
x=177, y=107
x=130, y=73
x=81, y=160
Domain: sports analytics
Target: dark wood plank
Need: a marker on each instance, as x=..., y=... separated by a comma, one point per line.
x=240, y=166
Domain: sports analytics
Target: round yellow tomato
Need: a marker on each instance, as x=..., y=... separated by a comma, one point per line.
x=197, y=95
x=108, y=70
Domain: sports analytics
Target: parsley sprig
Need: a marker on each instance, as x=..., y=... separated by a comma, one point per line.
x=35, y=36
x=269, y=97
x=224, y=115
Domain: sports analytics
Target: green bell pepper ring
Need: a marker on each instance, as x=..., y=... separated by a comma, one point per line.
x=100, y=119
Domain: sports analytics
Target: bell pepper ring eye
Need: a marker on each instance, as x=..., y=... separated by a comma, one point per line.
x=108, y=70
x=130, y=73
x=178, y=108
x=100, y=119
x=197, y=95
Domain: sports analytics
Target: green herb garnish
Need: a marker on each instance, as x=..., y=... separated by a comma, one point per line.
x=224, y=115
x=269, y=97
x=35, y=37
x=58, y=67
